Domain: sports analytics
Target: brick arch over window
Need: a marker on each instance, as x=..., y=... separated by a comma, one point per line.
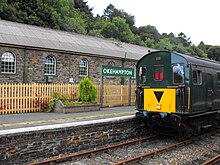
x=49, y=65
x=83, y=67
x=8, y=63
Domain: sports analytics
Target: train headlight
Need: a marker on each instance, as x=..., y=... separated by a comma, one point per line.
x=158, y=107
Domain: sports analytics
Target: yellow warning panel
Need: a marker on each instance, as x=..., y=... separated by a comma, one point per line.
x=160, y=100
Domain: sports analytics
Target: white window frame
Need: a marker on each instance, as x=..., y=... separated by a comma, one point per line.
x=50, y=65
x=9, y=58
x=83, y=67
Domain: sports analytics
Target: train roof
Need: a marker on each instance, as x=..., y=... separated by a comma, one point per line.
x=196, y=60
x=18, y=34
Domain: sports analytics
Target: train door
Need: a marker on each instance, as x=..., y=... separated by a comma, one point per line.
x=209, y=90
x=199, y=89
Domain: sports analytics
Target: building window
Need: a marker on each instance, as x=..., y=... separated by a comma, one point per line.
x=111, y=63
x=8, y=63
x=83, y=67
x=49, y=65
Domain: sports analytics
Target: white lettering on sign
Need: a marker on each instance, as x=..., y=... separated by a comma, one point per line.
x=119, y=72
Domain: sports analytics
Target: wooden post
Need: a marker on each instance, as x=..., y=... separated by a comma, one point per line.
x=122, y=94
x=129, y=91
x=101, y=91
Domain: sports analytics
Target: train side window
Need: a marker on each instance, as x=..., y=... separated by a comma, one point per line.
x=218, y=81
x=197, y=77
x=142, y=75
x=178, y=74
x=218, y=76
x=158, y=73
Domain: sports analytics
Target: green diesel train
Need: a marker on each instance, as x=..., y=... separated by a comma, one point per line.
x=178, y=93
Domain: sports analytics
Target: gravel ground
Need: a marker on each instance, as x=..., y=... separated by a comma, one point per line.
x=120, y=154
x=192, y=154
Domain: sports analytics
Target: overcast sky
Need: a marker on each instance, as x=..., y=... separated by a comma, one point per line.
x=198, y=19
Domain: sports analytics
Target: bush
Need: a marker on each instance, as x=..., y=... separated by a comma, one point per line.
x=66, y=99
x=59, y=96
x=87, y=91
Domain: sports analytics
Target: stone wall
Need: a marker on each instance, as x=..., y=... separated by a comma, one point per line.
x=26, y=147
x=67, y=66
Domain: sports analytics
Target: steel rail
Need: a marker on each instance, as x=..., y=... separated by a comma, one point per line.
x=137, y=158
x=212, y=161
x=90, y=151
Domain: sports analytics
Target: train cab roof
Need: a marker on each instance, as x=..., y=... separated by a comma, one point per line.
x=194, y=60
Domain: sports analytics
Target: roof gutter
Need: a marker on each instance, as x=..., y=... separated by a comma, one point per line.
x=62, y=51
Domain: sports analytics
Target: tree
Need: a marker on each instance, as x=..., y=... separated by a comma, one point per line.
x=195, y=51
x=110, y=12
x=118, y=29
x=214, y=52
x=67, y=17
x=83, y=7
x=184, y=39
x=2, y=5
x=149, y=32
x=164, y=44
x=59, y=14
x=87, y=91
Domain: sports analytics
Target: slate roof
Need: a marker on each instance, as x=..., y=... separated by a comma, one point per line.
x=33, y=36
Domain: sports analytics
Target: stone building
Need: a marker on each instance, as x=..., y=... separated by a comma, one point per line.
x=31, y=54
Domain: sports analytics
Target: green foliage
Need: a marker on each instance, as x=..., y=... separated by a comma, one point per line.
x=56, y=96
x=194, y=50
x=57, y=14
x=148, y=32
x=87, y=91
x=111, y=12
x=52, y=105
x=213, y=52
x=60, y=96
x=83, y=7
x=118, y=29
x=164, y=44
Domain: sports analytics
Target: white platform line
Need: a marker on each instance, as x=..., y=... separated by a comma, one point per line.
x=65, y=125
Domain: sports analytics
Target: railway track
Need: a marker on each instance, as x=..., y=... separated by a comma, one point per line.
x=212, y=161
x=122, y=154
x=90, y=152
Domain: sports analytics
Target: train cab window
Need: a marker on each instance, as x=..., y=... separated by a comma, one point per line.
x=158, y=73
x=178, y=74
x=197, y=77
x=142, y=75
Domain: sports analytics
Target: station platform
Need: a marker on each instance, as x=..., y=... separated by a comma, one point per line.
x=26, y=120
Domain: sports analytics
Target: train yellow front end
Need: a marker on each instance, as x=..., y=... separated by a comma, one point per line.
x=160, y=100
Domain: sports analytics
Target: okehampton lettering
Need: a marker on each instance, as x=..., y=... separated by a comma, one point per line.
x=117, y=72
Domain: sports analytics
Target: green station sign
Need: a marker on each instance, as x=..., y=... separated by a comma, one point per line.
x=116, y=71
